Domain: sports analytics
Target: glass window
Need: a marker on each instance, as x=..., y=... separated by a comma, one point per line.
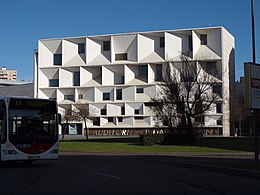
x=121, y=56
x=123, y=110
x=80, y=96
x=158, y=72
x=212, y=67
x=138, y=118
x=217, y=89
x=110, y=119
x=162, y=42
x=57, y=59
x=54, y=83
x=143, y=70
x=2, y=122
x=188, y=72
x=137, y=111
x=219, y=107
x=119, y=94
x=96, y=121
x=139, y=90
x=81, y=48
x=103, y=111
x=106, y=96
x=76, y=79
x=69, y=97
x=106, y=45
x=219, y=121
x=120, y=119
x=203, y=39
x=190, y=43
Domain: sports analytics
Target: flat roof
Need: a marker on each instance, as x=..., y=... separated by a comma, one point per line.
x=131, y=33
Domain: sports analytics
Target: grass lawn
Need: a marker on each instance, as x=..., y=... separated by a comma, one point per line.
x=132, y=145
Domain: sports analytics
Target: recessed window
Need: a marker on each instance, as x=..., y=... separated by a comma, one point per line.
x=69, y=97
x=76, y=79
x=139, y=118
x=81, y=48
x=219, y=107
x=103, y=111
x=54, y=83
x=80, y=96
x=120, y=119
x=137, y=111
x=219, y=121
x=211, y=67
x=217, y=89
x=162, y=42
x=96, y=121
x=139, y=90
x=57, y=59
x=158, y=76
x=121, y=56
x=123, y=110
x=190, y=43
x=203, y=39
x=106, y=45
x=143, y=70
x=106, y=96
x=119, y=94
x=110, y=119
x=53, y=98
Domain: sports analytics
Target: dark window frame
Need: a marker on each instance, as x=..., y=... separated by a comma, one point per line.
x=103, y=111
x=139, y=90
x=53, y=82
x=106, y=96
x=81, y=48
x=121, y=56
x=203, y=39
x=119, y=94
x=57, y=59
x=69, y=97
x=110, y=119
x=106, y=45
x=162, y=42
x=76, y=78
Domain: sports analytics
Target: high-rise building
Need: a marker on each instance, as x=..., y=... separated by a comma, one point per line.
x=117, y=74
x=6, y=74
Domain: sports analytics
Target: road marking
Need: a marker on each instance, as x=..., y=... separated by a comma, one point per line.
x=106, y=175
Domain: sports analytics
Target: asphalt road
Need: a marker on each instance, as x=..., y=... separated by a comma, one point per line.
x=121, y=174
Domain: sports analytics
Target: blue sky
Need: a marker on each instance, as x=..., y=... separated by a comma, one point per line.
x=23, y=22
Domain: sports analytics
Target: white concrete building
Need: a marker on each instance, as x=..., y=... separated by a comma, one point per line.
x=118, y=74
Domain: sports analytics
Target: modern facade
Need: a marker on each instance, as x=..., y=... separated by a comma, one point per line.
x=6, y=74
x=116, y=75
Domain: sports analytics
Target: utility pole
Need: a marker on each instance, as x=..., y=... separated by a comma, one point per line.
x=254, y=62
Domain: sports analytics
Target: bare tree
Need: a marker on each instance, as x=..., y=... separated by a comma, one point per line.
x=187, y=91
x=83, y=112
x=67, y=117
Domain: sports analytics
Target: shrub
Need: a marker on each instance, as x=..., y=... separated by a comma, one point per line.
x=151, y=139
x=166, y=139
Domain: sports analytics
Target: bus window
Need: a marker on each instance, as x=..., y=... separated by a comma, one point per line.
x=2, y=121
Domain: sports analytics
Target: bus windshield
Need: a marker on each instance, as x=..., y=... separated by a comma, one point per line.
x=36, y=124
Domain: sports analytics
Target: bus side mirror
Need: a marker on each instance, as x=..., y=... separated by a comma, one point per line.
x=59, y=118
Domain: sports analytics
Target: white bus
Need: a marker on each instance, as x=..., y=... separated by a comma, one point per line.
x=28, y=129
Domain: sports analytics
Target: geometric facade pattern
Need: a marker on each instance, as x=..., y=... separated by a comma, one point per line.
x=118, y=74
